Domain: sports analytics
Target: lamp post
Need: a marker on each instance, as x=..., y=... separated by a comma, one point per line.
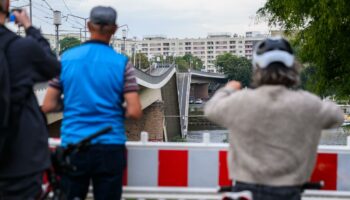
x=31, y=11
x=57, y=21
x=124, y=35
x=134, y=51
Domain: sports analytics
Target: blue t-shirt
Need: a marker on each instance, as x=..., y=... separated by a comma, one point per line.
x=92, y=82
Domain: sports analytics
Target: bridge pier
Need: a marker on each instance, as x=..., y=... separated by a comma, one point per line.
x=152, y=122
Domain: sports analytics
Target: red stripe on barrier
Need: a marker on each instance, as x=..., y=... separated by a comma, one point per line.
x=326, y=170
x=173, y=170
x=223, y=170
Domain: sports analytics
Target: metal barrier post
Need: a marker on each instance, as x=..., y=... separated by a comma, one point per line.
x=206, y=138
x=144, y=137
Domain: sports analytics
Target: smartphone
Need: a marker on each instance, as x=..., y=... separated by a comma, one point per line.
x=12, y=17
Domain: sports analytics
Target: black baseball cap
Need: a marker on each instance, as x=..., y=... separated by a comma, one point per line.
x=103, y=15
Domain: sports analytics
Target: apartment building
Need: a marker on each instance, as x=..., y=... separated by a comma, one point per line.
x=52, y=38
x=207, y=49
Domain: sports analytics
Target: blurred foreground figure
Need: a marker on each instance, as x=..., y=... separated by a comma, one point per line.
x=95, y=81
x=274, y=128
x=24, y=149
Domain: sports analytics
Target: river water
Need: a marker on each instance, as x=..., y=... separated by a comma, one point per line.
x=329, y=137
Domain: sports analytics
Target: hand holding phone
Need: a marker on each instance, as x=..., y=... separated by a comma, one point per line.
x=12, y=17
x=21, y=18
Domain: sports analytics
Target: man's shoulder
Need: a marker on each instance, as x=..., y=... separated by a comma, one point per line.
x=79, y=50
x=305, y=96
x=73, y=50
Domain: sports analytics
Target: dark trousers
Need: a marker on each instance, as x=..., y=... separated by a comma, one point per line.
x=261, y=192
x=21, y=188
x=103, y=165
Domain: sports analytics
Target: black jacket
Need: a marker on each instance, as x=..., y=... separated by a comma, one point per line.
x=30, y=61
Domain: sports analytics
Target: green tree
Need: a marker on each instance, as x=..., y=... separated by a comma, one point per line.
x=236, y=68
x=68, y=42
x=322, y=30
x=195, y=62
x=182, y=64
x=188, y=61
x=141, y=61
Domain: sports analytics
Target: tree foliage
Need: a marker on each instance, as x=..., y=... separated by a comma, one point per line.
x=322, y=30
x=236, y=68
x=68, y=42
x=141, y=61
x=187, y=62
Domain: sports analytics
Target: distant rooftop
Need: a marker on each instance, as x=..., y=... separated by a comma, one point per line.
x=155, y=37
x=248, y=34
x=219, y=35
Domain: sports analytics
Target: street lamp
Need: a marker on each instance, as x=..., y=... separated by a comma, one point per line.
x=57, y=21
x=124, y=35
x=134, y=50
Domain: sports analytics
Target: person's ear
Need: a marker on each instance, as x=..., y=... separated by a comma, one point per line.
x=115, y=28
x=90, y=27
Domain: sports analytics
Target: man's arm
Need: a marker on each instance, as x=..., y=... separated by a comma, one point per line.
x=46, y=64
x=216, y=108
x=52, y=101
x=133, y=105
x=331, y=115
x=131, y=96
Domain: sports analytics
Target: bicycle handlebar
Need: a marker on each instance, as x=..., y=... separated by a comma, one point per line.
x=85, y=142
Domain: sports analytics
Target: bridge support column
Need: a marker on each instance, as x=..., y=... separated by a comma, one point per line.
x=200, y=91
x=152, y=122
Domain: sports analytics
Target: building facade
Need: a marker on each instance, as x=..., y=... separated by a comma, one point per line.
x=207, y=49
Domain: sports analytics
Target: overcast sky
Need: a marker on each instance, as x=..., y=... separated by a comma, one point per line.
x=173, y=18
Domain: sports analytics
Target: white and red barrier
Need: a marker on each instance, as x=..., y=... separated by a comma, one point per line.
x=204, y=165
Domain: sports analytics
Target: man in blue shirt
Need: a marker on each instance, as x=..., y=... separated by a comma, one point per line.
x=95, y=82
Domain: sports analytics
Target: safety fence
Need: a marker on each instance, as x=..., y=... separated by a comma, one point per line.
x=196, y=170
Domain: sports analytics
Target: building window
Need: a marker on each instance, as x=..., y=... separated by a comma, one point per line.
x=210, y=43
x=232, y=42
x=187, y=48
x=187, y=43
